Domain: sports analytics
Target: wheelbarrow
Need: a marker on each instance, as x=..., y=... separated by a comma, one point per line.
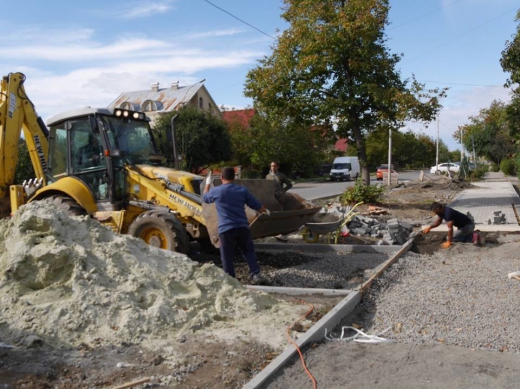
x=331, y=231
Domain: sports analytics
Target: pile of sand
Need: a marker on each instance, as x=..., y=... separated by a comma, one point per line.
x=69, y=281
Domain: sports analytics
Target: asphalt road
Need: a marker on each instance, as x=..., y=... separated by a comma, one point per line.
x=319, y=190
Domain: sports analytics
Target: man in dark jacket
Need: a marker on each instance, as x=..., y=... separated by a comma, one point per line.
x=464, y=224
x=233, y=226
x=284, y=183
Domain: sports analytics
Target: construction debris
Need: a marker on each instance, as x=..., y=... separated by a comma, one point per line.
x=498, y=218
x=391, y=232
x=375, y=211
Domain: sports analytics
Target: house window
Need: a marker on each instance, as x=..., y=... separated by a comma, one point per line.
x=151, y=105
x=209, y=105
x=148, y=106
x=201, y=103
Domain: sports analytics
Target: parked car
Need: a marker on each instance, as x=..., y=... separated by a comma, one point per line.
x=382, y=169
x=444, y=167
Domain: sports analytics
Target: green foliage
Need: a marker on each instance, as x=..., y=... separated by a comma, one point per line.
x=409, y=150
x=296, y=147
x=202, y=138
x=332, y=62
x=489, y=133
x=251, y=173
x=508, y=166
x=479, y=172
x=494, y=167
x=510, y=60
x=362, y=193
x=453, y=156
x=24, y=168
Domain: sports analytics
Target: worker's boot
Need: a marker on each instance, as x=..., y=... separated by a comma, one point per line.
x=258, y=279
x=476, y=238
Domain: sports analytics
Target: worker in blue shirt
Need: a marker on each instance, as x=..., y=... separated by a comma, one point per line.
x=464, y=224
x=233, y=226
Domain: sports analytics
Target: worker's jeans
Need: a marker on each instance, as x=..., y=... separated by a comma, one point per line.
x=464, y=234
x=242, y=238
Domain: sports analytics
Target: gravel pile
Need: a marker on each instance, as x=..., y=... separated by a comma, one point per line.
x=328, y=271
x=461, y=296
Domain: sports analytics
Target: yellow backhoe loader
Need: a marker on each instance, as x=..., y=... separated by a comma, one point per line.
x=104, y=163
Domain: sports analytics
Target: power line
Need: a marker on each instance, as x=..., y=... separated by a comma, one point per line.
x=424, y=15
x=460, y=36
x=457, y=83
x=237, y=18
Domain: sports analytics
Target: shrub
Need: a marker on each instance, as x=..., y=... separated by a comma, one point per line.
x=508, y=167
x=495, y=168
x=479, y=172
x=362, y=193
x=250, y=173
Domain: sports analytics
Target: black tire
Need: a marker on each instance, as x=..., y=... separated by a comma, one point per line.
x=69, y=205
x=160, y=229
x=207, y=247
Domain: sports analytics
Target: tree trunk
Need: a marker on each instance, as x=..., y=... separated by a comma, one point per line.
x=362, y=154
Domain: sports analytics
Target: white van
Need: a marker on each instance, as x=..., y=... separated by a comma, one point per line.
x=345, y=168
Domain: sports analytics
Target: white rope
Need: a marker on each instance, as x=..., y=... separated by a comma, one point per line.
x=359, y=337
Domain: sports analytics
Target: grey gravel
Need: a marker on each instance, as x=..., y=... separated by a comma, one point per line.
x=461, y=296
x=330, y=271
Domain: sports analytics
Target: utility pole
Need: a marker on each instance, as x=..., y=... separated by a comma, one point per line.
x=389, y=156
x=461, y=145
x=437, y=154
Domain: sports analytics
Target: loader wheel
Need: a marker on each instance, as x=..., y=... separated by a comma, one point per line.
x=69, y=205
x=160, y=229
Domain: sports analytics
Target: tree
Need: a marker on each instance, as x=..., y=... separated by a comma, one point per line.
x=332, y=65
x=202, y=138
x=510, y=62
x=408, y=149
x=297, y=147
x=24, y=168
x=489, y=133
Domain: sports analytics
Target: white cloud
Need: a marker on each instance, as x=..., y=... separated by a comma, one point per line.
x=215, y=33
x=146, y=8
x=458, y=108
x=53, y=36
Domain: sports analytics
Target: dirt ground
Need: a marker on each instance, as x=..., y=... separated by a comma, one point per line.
x=208, y=362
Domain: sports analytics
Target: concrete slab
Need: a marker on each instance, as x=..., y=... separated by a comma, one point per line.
x=299, y=291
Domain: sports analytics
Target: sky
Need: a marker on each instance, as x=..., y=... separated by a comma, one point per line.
x=76, y=54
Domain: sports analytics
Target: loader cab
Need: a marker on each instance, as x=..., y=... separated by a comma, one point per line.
x=93, y=145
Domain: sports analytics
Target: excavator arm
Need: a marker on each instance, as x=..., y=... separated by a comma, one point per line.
x=17, y=113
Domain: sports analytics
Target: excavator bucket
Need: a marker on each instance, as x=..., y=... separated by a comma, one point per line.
x=289, y=211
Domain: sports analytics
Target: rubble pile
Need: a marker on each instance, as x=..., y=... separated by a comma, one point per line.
x=392, y=232
x=68, y=281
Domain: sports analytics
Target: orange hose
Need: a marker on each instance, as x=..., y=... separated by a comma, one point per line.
x=290, y=339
